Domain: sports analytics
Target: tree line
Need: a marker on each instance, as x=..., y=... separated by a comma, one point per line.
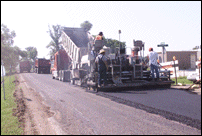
x=11, y=55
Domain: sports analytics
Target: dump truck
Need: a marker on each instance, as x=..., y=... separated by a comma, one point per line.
x=25, y=66
x=124, y=71
x=61, y=66
x=42, y=65
x=67, y=60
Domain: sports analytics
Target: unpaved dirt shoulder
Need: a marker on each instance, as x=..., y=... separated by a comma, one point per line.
x=31, y=111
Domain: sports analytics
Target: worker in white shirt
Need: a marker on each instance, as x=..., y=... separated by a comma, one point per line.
x=153, y=57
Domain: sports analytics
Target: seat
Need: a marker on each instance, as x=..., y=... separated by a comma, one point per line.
x=98, y=45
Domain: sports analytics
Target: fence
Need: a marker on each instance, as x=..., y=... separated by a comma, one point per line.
x=3, y=74
x=170, y=66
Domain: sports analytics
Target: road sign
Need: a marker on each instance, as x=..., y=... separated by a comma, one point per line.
x=162, y=45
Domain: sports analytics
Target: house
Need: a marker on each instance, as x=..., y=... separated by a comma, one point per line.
x=186, y=59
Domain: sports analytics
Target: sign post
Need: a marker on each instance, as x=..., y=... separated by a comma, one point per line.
x=120, y=53
x=163, y=45
x=174, y=58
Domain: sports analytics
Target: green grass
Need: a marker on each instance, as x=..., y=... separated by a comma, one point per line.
x=183, y=80
x=9, y=123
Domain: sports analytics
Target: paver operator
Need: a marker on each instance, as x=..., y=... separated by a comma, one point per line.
x=101, y=61
x=99, y=36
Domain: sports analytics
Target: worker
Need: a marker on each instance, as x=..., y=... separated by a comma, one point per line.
x=99, y=36
x=199, y=62
x=101, y=61
x=153, y=57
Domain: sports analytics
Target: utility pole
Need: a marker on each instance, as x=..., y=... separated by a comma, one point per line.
x=120, y=52
x=174, y=58
x=163, y=45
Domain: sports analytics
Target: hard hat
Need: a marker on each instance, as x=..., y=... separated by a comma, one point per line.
x=150, y=49
x=102, y=51
x=100, y=33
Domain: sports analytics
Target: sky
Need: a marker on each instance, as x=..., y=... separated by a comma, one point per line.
x=176, y=23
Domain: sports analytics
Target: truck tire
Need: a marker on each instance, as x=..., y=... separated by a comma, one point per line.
x=59, y=75
x=72, y=81
x=38, y=72
x=63, y=76
x=63, y=79
x=59, y=78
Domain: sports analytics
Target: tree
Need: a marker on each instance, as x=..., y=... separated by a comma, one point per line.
x=23, y=54
x=86, y=25
x=112, y=43
x=31, y=53
x=7, y=36
x=55, y=34
x=9, y=54
x=53, y=48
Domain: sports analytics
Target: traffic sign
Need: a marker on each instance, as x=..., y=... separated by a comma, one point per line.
x=162, y=45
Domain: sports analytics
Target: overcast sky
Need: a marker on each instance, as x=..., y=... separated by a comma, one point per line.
x=177, y=23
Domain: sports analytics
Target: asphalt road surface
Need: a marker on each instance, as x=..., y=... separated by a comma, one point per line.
x=145, y=112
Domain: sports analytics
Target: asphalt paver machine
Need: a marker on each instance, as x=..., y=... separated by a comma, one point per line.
x=124, y=70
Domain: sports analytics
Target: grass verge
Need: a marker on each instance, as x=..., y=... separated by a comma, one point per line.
x=9, y=123
x=183, y=80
